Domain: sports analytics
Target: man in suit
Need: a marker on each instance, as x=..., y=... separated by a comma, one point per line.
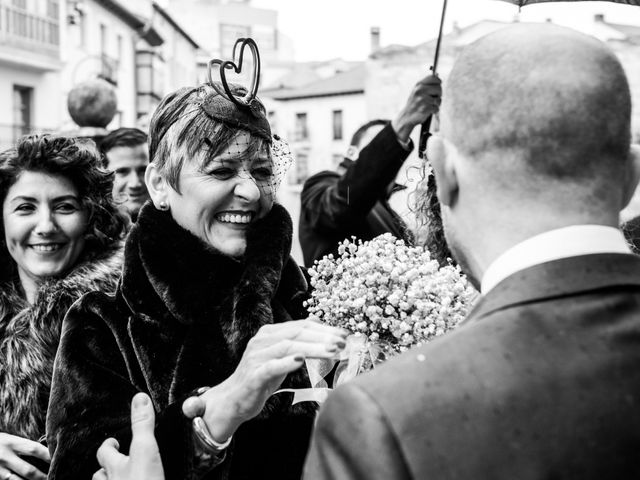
x=542, y=380
x=355, y=200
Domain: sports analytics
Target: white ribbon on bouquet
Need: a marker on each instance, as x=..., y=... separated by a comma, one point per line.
x=357, y=353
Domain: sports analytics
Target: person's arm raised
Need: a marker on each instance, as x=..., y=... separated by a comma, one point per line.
x=330, y=202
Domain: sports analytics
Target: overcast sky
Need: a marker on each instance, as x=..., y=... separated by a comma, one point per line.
x=323, y=29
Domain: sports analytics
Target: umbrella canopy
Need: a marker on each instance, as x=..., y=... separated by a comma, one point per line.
x=522, y=3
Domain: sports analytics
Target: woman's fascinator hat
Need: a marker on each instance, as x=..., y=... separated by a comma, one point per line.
x=239, y=107
x=252, y=119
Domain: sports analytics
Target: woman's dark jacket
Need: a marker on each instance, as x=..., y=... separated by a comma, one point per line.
x=29, y=337
x=334, y=207
x=180, y=320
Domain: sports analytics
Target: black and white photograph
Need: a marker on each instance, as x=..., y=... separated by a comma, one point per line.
x=319, y=240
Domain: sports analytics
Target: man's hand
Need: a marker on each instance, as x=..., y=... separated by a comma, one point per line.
x=144, y=460
x=423, y=101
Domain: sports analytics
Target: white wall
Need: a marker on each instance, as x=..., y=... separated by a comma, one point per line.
x=180, y=56
x=46, y=88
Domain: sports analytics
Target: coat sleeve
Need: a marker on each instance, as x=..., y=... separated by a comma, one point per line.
x=90, y=401
x=353, y=440
x=331, y=202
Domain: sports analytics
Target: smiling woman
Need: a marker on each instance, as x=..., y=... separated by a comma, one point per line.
x=44, y=226
x=60, y=237
x=209, y=296
x=227, y=191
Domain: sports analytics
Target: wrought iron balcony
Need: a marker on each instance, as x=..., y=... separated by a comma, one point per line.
x=109, y=69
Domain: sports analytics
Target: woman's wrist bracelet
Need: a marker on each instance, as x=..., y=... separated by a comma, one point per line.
x=206, y=439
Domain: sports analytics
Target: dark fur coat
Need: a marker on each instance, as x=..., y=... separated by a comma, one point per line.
x=180, y=320
x=29, y=337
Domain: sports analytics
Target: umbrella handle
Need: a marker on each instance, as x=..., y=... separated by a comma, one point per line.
x=426, y=126
x=424, y=136
x=425, y=133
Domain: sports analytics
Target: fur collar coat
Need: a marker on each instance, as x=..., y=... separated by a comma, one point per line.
x=180, y=320
x=29, y=336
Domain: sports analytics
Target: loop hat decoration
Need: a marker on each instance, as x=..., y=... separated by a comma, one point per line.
x=250, y=113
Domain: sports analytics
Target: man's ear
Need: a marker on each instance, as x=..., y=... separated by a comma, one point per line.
x=156, y=185
x=634, y=175
x=442, y=155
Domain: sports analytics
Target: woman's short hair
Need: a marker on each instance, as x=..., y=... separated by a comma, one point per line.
x=77, y=160
x=182, y=129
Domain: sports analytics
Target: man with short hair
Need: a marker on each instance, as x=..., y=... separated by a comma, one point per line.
x=541, y=381
x=355, y=200
x=127, y=155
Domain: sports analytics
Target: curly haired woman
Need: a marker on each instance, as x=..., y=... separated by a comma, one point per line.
x=60, y=237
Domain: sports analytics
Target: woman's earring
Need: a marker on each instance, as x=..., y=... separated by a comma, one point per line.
x=163, y=206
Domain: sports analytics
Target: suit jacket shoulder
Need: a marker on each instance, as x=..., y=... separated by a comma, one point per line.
x=536, y=384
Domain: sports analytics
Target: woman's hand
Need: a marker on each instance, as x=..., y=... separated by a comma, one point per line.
x=275, y=351
x=12, y=466
x=144, y=460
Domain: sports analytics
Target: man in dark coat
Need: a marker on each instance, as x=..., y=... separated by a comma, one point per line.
x=355, y=202
x=541, y=381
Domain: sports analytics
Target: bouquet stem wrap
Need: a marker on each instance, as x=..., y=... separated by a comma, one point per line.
x=360, y=355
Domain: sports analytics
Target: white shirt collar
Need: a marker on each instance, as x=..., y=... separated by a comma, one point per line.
x=564, y=242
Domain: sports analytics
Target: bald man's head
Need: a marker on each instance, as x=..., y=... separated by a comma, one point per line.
x=556, y=100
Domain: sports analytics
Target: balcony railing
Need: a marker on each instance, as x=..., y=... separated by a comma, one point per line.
x=29, y=31
x=109, y=69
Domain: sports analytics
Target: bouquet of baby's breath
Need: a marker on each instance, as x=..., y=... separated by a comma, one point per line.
x=391, y=295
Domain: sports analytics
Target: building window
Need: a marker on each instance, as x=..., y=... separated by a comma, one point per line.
x=22, y=106
x=301, y=168
x=271, y=118
x=301, y=132
x=53, y=10
x=16, y=20
x=119, y=47
x=150, y=80
x=337, y=124
x=103, y=39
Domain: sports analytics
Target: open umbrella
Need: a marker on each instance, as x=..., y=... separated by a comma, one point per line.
x=424, y=131
x=522, y=3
